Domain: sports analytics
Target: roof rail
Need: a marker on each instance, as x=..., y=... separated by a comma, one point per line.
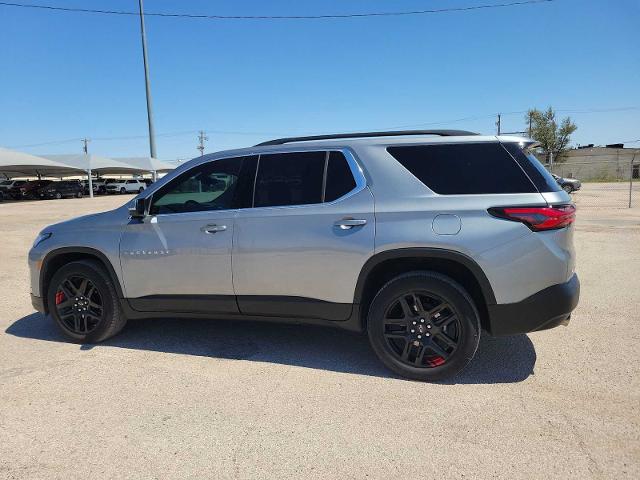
x=397, y=133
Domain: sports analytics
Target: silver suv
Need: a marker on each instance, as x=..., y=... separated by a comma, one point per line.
x=421, y=239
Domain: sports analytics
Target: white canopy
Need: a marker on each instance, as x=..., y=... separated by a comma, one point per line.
x=96, y=163
x=149, y=164
x=19, y=164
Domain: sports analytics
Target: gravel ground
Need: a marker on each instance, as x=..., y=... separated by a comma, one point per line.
x=206, y=399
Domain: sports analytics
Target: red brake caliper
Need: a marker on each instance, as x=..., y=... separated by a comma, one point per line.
x=435, y=361
x=59, y=297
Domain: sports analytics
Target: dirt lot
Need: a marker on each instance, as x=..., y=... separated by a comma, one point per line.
x=203, y=399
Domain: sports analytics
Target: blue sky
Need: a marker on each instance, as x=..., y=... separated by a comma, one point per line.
x=64, y=76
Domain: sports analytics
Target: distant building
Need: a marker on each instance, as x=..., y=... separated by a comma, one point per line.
x=591, y=163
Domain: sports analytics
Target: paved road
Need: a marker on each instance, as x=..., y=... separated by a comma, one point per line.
x=200, y=399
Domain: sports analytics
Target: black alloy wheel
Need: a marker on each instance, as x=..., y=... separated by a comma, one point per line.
x=424, y=326
x=83, y=301
x=421, y=329
x=140, y=190
x=79, y=304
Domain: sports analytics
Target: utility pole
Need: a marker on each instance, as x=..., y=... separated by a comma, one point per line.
x=152, y=135
x=498, y=124
x=85, y=149
x=530, y=120
x=202, y=138
x=631, y=178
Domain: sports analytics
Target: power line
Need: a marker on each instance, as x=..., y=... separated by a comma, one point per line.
x=53, y=142
x=395, y=127
x=278, y=17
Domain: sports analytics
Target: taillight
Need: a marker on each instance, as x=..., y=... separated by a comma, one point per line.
x=538, y=218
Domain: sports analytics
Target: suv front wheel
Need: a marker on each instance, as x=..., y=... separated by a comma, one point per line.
x=84, y=303
x=424, y=326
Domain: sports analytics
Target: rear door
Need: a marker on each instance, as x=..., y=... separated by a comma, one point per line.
x=300, y=248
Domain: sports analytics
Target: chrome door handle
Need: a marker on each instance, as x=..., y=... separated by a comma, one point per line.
x=348, y=223
x=213, y=228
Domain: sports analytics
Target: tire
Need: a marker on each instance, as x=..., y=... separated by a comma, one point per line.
x=443, y=341
x=140, y=190
x=123, y=190
x=79, y=194
x=58, y=195
x=568, y=188
x=101, y=323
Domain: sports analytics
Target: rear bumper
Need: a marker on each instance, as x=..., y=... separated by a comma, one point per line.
x=546, y=309
x=38, y=303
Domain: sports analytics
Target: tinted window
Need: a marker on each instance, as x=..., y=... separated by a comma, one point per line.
x=464, y=168
x=244, y=188
x=289, y=179
x=207, y=187
x=542, y=179
x=340, y=180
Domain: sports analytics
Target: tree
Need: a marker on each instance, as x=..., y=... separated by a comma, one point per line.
x=545, y=130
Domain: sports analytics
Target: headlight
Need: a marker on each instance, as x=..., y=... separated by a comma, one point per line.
x=41, y=238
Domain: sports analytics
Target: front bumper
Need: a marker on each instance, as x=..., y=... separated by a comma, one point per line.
x=546, y=309
x=38, y=303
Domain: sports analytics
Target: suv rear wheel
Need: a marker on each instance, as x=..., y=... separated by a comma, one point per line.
x=424, y=326
x=84, y=303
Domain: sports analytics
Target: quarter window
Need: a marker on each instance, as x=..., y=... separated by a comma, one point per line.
x=210, y=186
x=459, y=169
x=340, y=180
x=289, y=179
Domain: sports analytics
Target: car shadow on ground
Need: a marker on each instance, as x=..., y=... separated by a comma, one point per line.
x=498, y=360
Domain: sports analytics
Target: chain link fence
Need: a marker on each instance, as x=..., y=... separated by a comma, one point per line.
x=607, y=179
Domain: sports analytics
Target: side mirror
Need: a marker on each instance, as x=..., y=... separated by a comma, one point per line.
x=138, y=210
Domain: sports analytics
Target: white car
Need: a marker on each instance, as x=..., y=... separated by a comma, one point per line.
x=125, y=186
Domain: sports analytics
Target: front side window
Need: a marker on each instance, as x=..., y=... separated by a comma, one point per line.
x=289, y=179
x=210, y=186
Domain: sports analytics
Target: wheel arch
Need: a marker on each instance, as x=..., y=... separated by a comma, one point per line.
x=386, y=265
x=61, y=256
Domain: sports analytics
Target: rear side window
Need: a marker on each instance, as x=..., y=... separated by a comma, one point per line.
x=340, y=180
x=464, y=169
x=289, y=179
x=539, y=175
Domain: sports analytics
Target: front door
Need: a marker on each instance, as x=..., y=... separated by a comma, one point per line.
x=298, y=252
x=179, y=257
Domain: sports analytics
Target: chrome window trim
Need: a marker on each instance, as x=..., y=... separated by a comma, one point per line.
x=354, y=166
